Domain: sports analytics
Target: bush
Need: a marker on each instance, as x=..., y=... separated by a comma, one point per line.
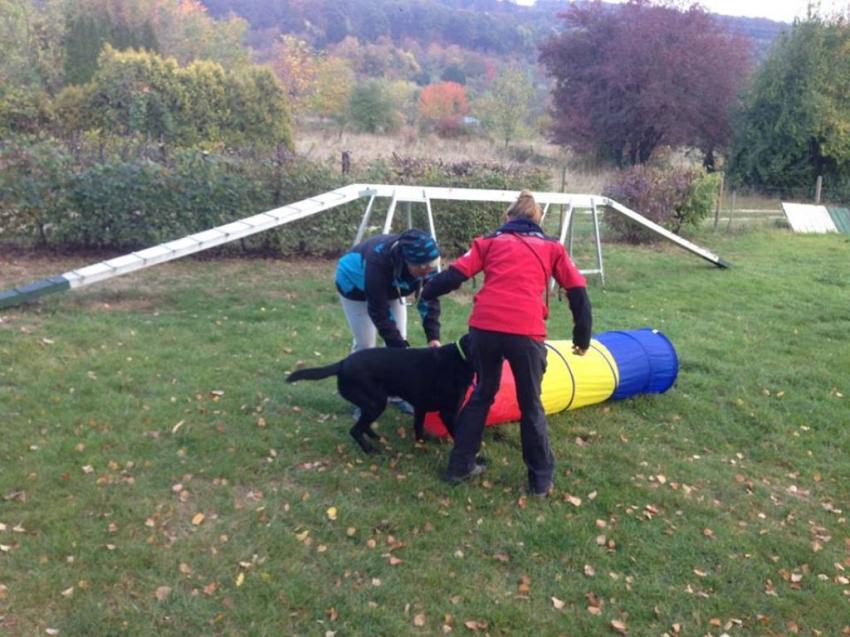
x=33, y=188
x=116, y=204
x=671, y=197
x=450, y=127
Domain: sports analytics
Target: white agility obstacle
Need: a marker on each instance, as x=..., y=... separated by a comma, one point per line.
x=198, y=242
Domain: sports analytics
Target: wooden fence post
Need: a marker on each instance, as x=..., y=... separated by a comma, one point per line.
x=719, y=202
x=731, y=210
x=818, y=188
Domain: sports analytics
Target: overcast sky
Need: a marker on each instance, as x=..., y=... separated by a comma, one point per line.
x=781, y=10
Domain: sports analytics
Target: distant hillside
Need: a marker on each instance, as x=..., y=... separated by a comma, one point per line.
x=488, y=26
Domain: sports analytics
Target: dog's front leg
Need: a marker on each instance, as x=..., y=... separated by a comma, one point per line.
x=448, y=417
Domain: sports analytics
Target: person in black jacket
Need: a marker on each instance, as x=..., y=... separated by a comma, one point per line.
x=374, y=278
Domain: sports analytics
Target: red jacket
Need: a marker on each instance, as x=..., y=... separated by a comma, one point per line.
x=518, y=261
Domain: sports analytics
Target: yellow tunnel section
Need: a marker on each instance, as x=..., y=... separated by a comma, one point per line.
x=573, y=381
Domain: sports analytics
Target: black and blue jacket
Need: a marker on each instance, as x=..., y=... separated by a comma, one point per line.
x=374, y=271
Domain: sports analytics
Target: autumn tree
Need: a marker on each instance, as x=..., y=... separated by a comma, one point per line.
x=504, y=109
x=442, y=100
x=372, y=109
x=295, y=64
x=30, y=44
x=630, y=78
x=182, y=30
x=331, y=91
x=796, y=121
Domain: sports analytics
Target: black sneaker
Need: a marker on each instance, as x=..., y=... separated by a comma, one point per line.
x=544, y=493
x=477, y=470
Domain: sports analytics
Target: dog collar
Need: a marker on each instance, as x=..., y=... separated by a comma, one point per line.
x=460, y=349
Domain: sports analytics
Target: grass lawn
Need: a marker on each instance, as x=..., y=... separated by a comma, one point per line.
x=157, y=477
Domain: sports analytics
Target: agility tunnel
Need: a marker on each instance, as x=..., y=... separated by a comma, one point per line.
x=617, y=365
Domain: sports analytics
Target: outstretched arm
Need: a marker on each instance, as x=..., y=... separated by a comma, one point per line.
x=446, y=281
x=569, y=278
x=582, y=319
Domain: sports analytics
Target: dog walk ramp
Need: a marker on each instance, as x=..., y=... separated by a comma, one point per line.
x=220, y=235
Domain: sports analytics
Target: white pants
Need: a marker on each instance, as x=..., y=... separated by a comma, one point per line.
x=363, y=329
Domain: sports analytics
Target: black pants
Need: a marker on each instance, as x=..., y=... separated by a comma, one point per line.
x=527, y=359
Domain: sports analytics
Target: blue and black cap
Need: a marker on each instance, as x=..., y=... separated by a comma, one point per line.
x=418, y=247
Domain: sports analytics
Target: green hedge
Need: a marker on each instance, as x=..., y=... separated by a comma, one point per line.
x=48, y=200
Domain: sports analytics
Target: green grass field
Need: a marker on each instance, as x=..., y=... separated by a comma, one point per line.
x=158, y=477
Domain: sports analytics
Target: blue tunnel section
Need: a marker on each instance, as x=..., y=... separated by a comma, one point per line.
x=646, y=359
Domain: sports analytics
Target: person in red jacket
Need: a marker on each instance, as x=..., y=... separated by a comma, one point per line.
x=508, y=322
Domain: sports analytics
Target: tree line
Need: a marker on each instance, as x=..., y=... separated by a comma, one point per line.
x=145, y=80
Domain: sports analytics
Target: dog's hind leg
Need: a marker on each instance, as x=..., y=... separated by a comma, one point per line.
x=371, y=408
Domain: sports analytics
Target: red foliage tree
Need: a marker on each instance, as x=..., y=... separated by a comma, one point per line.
x=630, y=78
x=442, y=100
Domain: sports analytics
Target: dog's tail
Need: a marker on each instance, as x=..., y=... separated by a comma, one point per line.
x=314, y=373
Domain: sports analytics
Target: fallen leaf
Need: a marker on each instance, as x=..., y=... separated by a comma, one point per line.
x=524, y=586
x=198, y=519
x=185, y=568
x=618, y=626
x=176, y=427
x=589, y=571
x=557, y=603
x=419, y=620
x=68, y=592
x=475, y=625
x=210, y=588
x=240, y=579
x=394, y=561
x=162, y=593
x=575, y=501
x=331, y=513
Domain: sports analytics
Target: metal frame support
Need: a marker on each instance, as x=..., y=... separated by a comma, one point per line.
x=598, y=238
x=365, y=222
x=390, y=213
x=431, y=227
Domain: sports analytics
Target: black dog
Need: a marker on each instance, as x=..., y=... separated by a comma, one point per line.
x=429, y=378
